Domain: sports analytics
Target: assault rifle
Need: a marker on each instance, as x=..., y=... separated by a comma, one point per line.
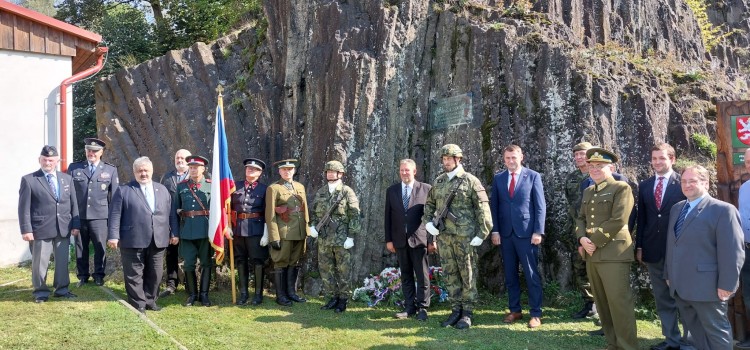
x=440, y=215
x=326, y=219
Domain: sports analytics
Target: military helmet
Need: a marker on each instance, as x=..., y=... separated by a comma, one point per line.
x=451, y=150
x=334, y=165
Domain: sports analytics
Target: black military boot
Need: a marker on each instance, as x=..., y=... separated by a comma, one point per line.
x=585, y=311
x=291, y=284
x=341, y=305
x=465, y=321
x=259, y=277
x=243, y=277
x=191, y=286
x=205, y=285
x=452, y=319
x=279, y=283
x=331, y=304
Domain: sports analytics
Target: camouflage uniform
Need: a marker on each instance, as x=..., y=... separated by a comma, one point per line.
x=334, y=262
x=573, y=195
x=473, y=218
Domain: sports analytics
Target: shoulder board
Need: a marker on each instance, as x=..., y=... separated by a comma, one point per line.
x=110, y=164
x=184, y=181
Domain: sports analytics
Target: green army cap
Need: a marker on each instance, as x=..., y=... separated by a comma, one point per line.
x=451, y=150
x=583, y=146
x=600, y=155
x=286, y=163
x=334, y=165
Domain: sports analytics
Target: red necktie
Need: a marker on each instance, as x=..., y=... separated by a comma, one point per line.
x=659, y=191
x=512, y=187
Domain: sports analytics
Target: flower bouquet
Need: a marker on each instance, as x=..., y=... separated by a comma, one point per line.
x=385, y=287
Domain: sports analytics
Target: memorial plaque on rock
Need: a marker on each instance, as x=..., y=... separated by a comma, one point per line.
x=451, y=111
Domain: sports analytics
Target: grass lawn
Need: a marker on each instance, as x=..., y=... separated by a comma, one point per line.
x=97, y=321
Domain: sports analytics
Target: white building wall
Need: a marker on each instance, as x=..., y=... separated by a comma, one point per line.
x=29, y=117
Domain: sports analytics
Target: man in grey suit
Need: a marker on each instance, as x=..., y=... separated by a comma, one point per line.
x=406, y=236
x=139, y=223
x=47, y=212
x=705, y=252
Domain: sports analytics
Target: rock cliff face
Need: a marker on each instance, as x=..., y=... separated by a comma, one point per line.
x=358, y=81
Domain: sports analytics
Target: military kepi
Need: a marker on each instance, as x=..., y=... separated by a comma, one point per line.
x=255, y=163
x=286, y=163
x=49, y=151
x=196, y=160
x=601, y=155
x=94, y=144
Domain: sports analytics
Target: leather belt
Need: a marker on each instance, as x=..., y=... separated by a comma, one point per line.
x=244, y=216
x=193, y=213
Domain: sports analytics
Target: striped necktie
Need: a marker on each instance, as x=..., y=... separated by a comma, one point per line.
x=681, y=220
x=405, y=197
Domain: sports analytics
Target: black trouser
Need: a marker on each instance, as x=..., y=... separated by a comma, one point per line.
x=94, y=231
x=248, y=249
x=173, y=266
x=413, y=263
x=142, y=270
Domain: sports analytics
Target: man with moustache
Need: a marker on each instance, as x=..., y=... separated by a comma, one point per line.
x=518, y=213
x=465, y=227
x=406, y=236
x=191, y=204
x=656, y=197
x=336, y=236
x=170, y=181
x=705, y=253
x=139, y=225
x=47, y=213
x=602, y=231
x=95, y=181
x=287, y=219
x=250, y=229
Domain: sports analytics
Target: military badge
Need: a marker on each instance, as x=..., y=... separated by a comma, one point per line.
x=104, y=187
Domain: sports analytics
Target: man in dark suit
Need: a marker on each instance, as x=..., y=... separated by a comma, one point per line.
x=705, y=252
x=518, y=213
x=656, y=197
x=47, y=212
x=139, y=223
x=406, y=236
x=95, y=181
x=170, y=181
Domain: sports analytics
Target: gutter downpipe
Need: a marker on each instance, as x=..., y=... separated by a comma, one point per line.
x=100, y=51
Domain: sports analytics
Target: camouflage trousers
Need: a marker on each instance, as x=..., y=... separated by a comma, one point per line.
x=334, y=264
x=459, y=261
x=580, y=279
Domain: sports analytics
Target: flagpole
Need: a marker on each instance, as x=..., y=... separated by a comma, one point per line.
x=227, y=213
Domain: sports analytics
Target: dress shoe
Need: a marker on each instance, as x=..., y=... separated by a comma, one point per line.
x=452, y=319
x=664, y=346
x=512, y=317
x=585, y=311
x=67, y=295
x=535, y=322
x=40, y=300
x=406, y=313
x=99, y=281
x=167, y=292
x=81, y=283
x=153, y=307
x=422, y=315
x=142, y=310
x=599, y=332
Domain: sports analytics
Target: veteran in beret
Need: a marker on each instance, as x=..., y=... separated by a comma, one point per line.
x=287, y=219
x=602, y=231
x=95, y=182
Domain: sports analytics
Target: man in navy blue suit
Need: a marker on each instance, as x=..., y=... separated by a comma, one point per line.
x=518, y=213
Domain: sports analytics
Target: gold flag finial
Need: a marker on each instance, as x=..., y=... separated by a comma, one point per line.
x=220, y=90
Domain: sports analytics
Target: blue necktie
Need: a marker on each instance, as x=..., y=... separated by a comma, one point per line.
x=91, y=169
x=52, y=186
x=405, y=197
x=149, y=198
x=681, y=220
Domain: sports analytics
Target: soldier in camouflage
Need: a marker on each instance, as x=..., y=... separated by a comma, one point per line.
x=573, y=195
x=466, y=225
x=335, y=236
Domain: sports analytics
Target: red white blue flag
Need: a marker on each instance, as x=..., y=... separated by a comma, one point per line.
x=222, y=187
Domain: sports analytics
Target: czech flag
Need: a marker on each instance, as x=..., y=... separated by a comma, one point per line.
x=222, y=187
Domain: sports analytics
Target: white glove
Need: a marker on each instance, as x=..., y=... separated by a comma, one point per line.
x=313, y=232
x=264, y=239
x=476, y=242
x=348, y=243
x=431, y=229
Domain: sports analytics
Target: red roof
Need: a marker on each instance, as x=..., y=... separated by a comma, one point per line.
x=50, y=22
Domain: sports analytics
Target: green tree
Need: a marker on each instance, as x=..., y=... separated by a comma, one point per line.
x=45, y=7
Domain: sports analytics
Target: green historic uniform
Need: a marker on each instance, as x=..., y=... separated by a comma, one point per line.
x=473, y=218
x=287, y=218
x=334, y=260
x=191, y=203
x=603, y=218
